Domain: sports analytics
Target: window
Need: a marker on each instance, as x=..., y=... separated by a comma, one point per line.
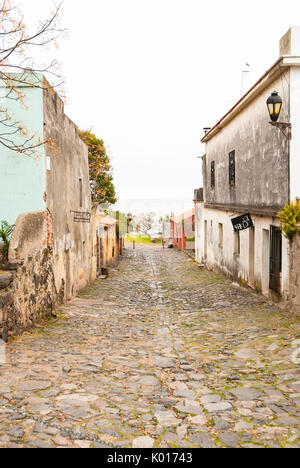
x=212, y=175
x=80, y=193
x=220, y=235
x=205, y=239
x=232, y=169
x=237, y=243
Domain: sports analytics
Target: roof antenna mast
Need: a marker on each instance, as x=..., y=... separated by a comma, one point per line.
x=247, y=70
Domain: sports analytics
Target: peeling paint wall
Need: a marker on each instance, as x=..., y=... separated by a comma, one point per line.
x=224, y=256
x=261, y=156
x=261, y=187
x=68, y=191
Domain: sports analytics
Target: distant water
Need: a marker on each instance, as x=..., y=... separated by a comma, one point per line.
x=160, y=206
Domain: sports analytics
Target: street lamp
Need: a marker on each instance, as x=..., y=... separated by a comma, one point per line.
x=274, y=104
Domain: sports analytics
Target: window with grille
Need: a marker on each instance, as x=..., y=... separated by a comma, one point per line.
x=212, y=175
x=232, y=169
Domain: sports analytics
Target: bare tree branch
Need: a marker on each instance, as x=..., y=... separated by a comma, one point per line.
x=17, y=45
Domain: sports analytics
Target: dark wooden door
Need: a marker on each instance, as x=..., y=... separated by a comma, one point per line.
x=275, y=258
x=98, y=253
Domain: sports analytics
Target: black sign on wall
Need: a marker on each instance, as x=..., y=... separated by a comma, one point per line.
x=240, y=223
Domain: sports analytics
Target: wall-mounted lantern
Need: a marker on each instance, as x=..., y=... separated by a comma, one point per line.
x=129, y=220
x=274, y=104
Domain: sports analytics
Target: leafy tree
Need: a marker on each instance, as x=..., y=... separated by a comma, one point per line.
x=18, y=69
x=102, y=187
x=5, y=235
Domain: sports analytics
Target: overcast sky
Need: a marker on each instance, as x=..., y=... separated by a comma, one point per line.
x=148, y=75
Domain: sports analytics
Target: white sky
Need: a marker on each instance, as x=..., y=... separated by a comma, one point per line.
x=148, y=75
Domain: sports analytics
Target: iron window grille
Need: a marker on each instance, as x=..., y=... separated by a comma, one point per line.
x=232, y=169
x=212, y=175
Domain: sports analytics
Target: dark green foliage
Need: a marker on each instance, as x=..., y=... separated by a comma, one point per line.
x=5, y=235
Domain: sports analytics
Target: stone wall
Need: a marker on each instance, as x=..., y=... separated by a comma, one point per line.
x=27, y=287
x=31, y=296
x=68, y=196
x=295, y=274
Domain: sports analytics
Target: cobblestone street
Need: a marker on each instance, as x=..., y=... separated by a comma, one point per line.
x=159, y=354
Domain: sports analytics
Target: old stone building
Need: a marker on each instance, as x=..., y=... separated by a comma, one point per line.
x=68, y=198
x=252, y=168
x=48, y=198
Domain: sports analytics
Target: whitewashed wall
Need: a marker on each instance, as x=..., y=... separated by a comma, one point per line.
x=223, y=258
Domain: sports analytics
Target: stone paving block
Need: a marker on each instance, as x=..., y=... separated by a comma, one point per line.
x=145, y=354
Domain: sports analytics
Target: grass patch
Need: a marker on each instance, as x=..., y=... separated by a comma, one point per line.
x=140, y=239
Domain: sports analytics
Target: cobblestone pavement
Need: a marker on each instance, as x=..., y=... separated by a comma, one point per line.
x=159, y=354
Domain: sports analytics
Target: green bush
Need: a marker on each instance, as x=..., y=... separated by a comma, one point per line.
x=5, y=235
x=289, y=217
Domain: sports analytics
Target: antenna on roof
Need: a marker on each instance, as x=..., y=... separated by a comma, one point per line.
x=246, y=70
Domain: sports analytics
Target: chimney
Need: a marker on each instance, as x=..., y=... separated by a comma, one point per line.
x=290, y=42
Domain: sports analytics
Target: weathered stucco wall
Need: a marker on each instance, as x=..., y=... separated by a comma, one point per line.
x=295, y=274
x=261, y=156
x=251, y=263
x=67, y=191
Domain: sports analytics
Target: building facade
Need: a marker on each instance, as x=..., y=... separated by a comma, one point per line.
x=183, y=231
x=55, y=182
x=251, y=169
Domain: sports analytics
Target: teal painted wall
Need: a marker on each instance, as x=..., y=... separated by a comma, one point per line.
x=23, y=178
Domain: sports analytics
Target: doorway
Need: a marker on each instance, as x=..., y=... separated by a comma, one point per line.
x=68, y=276
x=265, y=258
x=98, y=253
x=275, y=259
x=205, y=240
x=251, y=256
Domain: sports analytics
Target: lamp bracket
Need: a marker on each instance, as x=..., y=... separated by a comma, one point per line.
x=284, y=127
